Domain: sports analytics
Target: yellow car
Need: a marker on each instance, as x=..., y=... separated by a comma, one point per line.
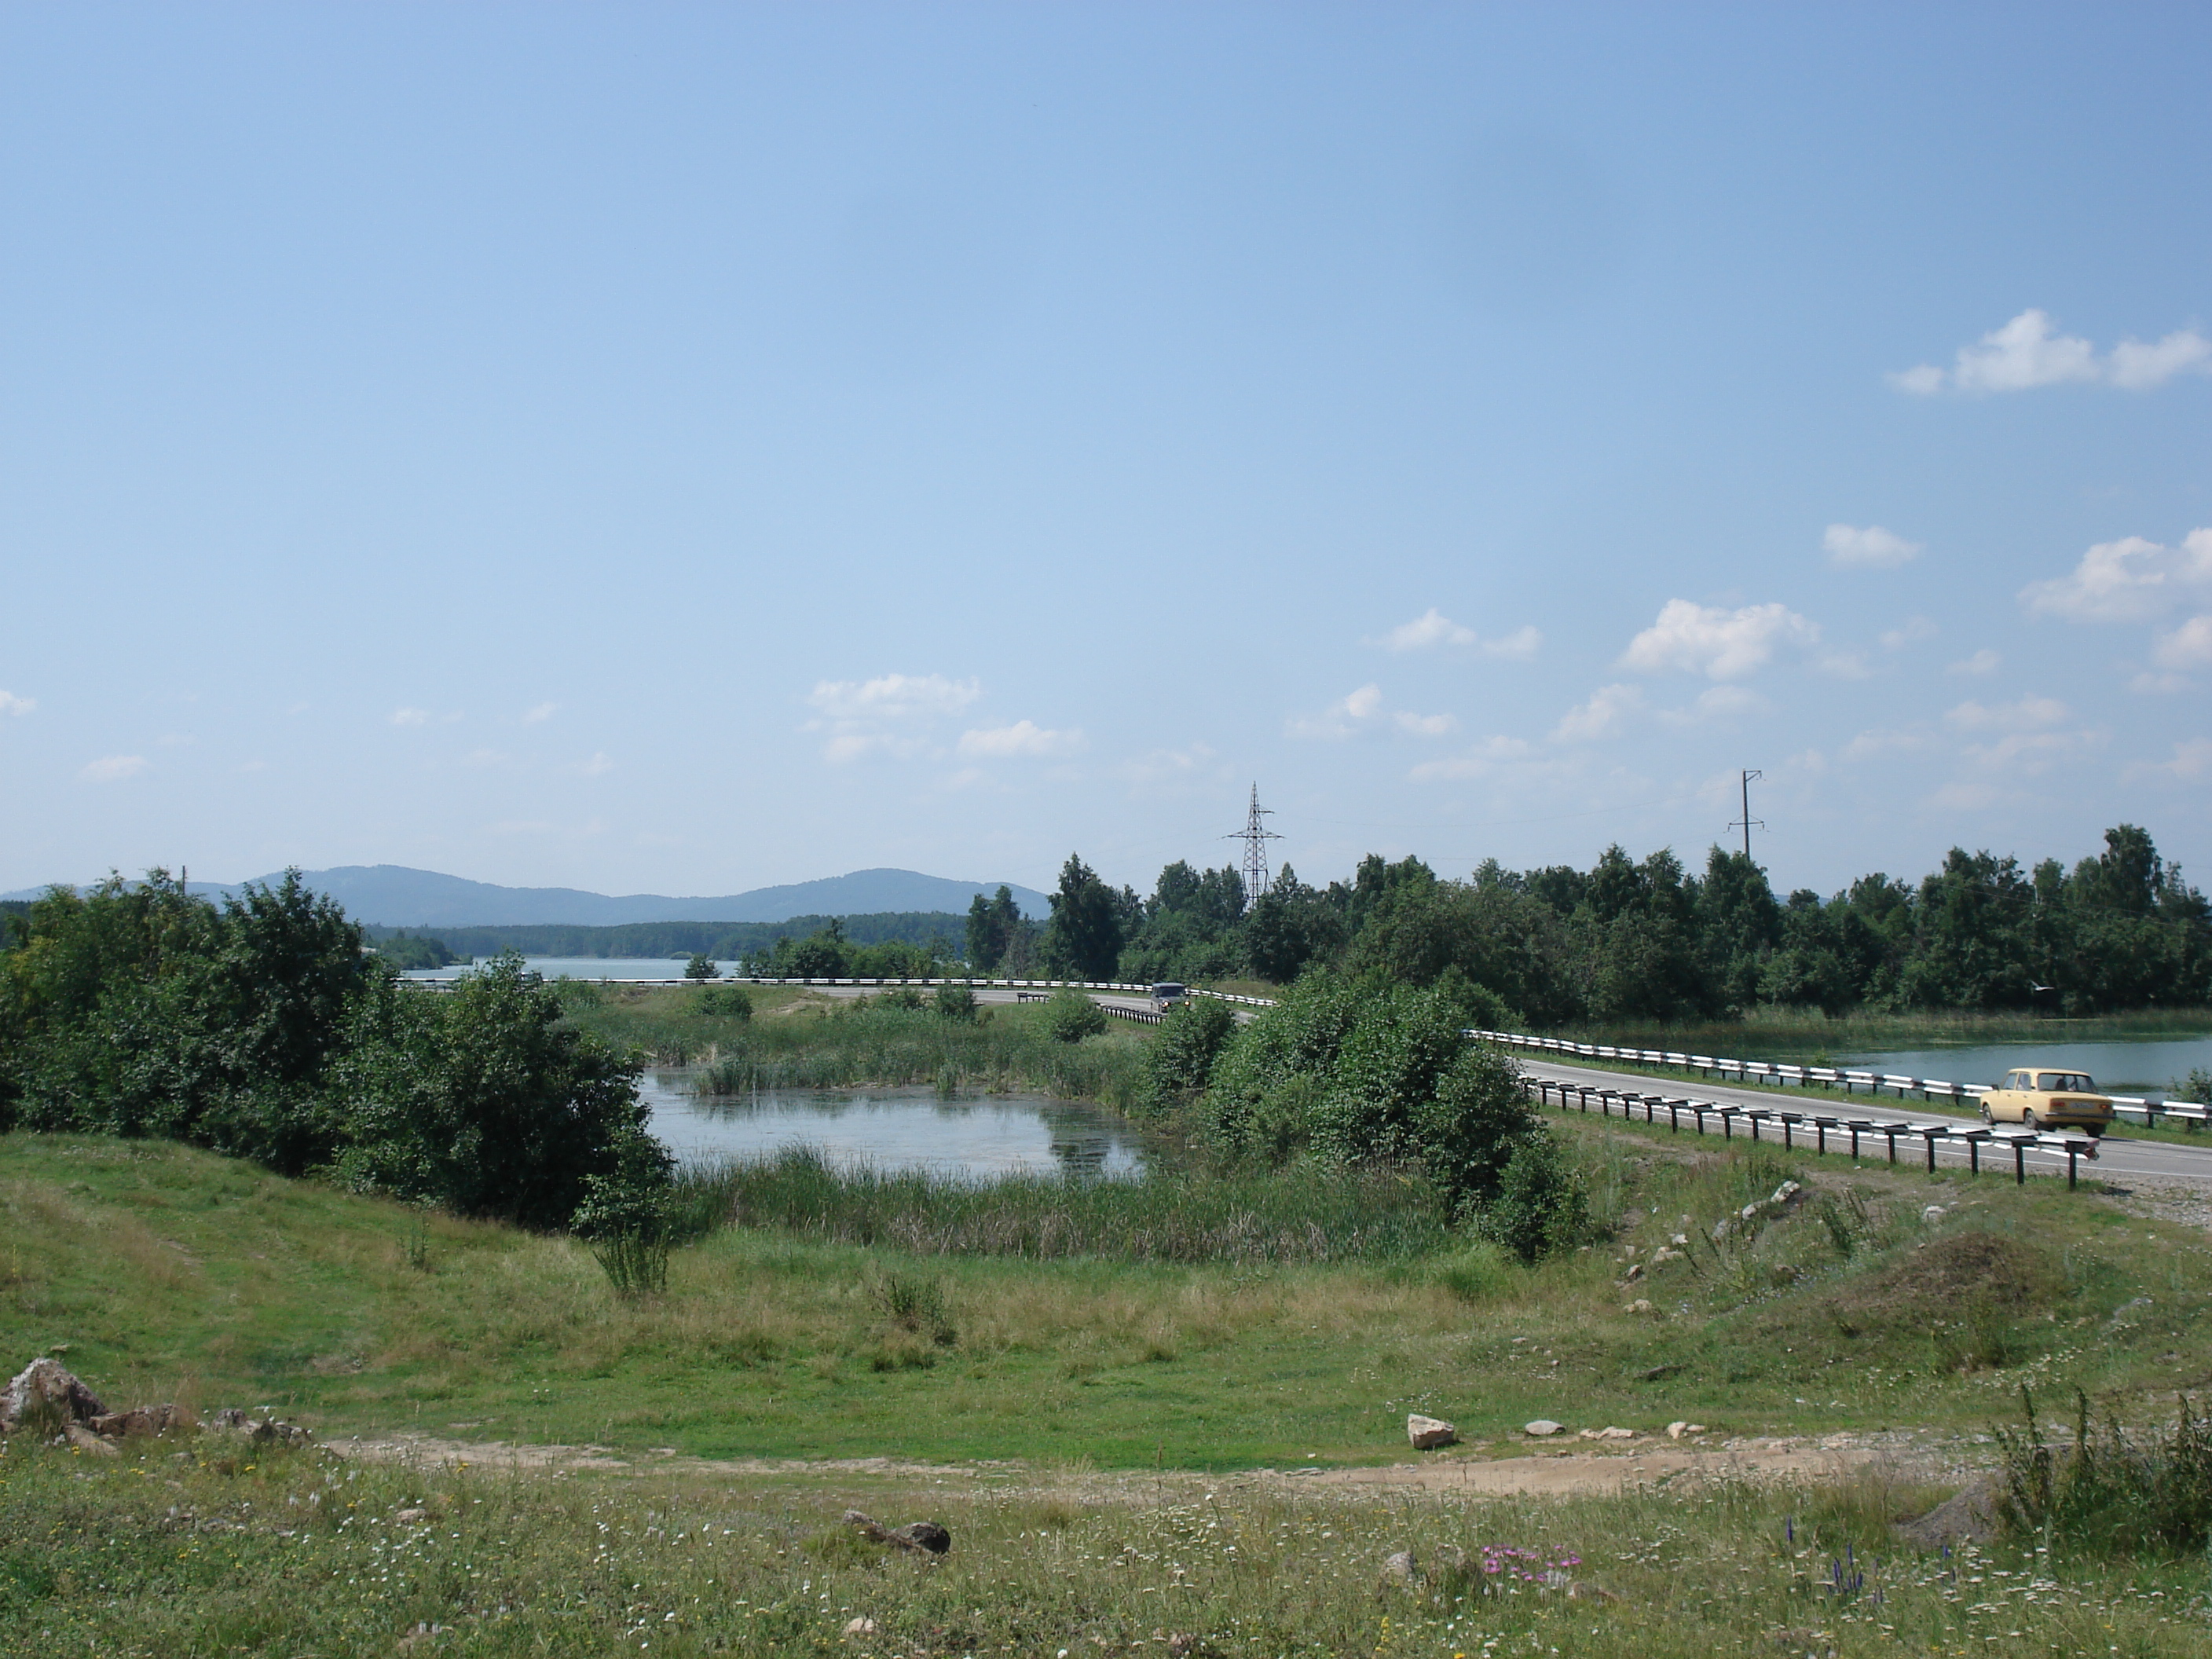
x=2048, y=1100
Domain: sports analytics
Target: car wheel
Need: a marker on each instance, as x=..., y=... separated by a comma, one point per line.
x=1987, y=1116
x=2027, y=1120
x=2097, y=1131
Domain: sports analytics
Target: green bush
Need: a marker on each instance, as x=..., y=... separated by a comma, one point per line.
x=1181, y=1060
x=724, y=1002
x=1271, y=1073
x=956, y=1002
x=1541, y=1206
x=1071, y=1016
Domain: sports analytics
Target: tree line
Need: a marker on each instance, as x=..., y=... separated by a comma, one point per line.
x=1645, y=939
x=719, y=941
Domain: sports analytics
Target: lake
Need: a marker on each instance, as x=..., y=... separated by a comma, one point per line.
x=975, y=1136
x=586, y=968
x=2139, y=1068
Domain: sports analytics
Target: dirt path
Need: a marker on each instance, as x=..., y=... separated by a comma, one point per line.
x=1552, y=1472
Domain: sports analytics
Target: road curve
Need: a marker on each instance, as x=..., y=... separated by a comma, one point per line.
x=2117, y=1154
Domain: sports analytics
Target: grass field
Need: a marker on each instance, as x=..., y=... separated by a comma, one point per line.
x=160, y=1272
x=164, y=1554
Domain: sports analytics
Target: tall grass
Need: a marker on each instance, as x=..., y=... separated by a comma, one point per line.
x=877, y=1043
x=1806, y=1035
x=2109, y=1494
x=1300, y=1214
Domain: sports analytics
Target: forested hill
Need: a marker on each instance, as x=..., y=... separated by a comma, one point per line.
x=725, y=941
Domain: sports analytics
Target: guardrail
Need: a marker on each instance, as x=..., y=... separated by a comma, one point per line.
x=2188, y=1112
x=1820, y=1129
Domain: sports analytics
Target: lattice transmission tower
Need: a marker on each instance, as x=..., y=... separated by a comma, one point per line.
x=1255, y=836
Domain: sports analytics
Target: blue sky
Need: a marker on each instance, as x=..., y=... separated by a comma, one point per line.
x=684, y=449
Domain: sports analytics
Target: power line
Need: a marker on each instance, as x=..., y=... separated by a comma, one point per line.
x=1747, y=821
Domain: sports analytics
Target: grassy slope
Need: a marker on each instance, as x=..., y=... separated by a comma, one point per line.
x=1806, y=1036
x=171, y=1274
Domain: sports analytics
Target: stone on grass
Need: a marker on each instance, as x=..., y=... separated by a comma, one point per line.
x=1542, y=1429
x=46, y=1391
x=1608, y=1434
x=1968, y=1518
x=1427, y=1433
x=1400, y=1569
x=923, y=1537
x=84, y=1439
x=863, y=1627
x=1676, y=1431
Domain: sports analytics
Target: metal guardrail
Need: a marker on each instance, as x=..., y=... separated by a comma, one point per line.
x=2188, y=1112
x=1820, y=1129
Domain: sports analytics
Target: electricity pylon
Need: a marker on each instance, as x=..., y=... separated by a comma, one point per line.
x=1255, y=836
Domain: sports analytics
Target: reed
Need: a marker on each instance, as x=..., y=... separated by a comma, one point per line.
x=1299, y=1214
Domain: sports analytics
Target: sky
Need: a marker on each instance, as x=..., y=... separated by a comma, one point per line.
x=683, y=449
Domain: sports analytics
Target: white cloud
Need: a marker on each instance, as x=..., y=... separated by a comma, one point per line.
x=1363, y=711
x=1486, y=758
x=886, y=715
x=1722, y=645
x=1872, y=548
x=2187, y=646
x=1022, y=737
x=2025, y=354
x=1716, y=703
x=544, y=711
x=894, y=696
x=2126, y=581
x=1913, y=630
x=2159, y=685
x=597, y=766
x=1607, y=710
x=410, y=717
x=1520, y=646
x=1433, y=628
x=2192, y=758
x=1424, y=726
x=12, y=704
x=1984, y=661
x=112, y=769
x=2137, y=366
x=2030, y=712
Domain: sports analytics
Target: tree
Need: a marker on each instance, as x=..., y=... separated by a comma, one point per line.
x=1083, y=940
x=994, y=926
x=701, y=967
x=489, y=1101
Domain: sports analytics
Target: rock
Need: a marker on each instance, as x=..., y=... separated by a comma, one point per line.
x=1542, y=1429
x=85, y=1440
x=1721, y=1228
x=1400, y=1568
x=45, y=1391
x=1636, y=1271
x=1970, y=1518
x=263, y=1430
x=924, y=1537
x=1749, y=1213
x=1641, y=1305
x=1676, y=1431
x=408, y=1517
x=1680, y=1241
x=1661, y=1258
x=1427, y=1433
x=860, y=1627
x=142, y=1420
x=1608, y=1434
x=1786, y=1191
x=1932, y=1214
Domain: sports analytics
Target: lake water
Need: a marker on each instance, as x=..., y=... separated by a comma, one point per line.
x=2149, y=1067
x=586, y=968
x=978, y=1136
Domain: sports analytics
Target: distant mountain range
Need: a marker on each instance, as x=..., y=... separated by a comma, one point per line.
x=392, y=895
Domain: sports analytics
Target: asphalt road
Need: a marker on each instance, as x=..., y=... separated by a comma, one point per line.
x=2117, y=1154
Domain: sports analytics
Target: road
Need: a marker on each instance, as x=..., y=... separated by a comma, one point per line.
x=2117, y=1154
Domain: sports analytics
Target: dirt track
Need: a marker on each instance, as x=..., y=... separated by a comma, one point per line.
x=1549, y=1472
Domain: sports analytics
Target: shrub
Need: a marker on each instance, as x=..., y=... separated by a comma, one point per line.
x=1473, y=1124
x=1387, y=1074
x=1070, y=1017
x=487, y=1102
x=1273, y=1072
x=1542, y=1206
x=956, y=1002
x=1181, y=1060
x=723, y=1002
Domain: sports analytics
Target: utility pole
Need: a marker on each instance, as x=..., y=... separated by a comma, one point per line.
x=1747, y=821
x=1255, y=836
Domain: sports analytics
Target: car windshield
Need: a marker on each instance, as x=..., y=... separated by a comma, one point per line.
x=2069, y=1083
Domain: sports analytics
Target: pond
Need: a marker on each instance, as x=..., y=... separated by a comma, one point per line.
x=584, y=967
x=976, y=1137
x=2134, y=1067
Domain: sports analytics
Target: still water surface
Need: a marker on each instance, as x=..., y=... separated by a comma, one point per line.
x=584, y=967
x=973, y=1136
x=2149, y=1067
